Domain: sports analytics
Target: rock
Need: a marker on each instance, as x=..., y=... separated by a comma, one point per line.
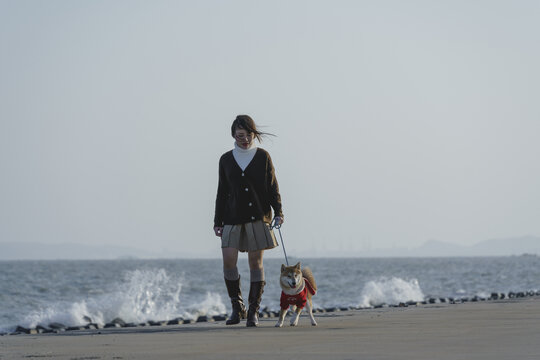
x=187, y=321
x=219, y=317
x=57, y=326
x=157, y=323
x=93, y=326
x=87, y=319
x=494, y=296
x=331, y=309
x=264, y=315
x=443, y=300
x=73, y=328
x=412, y=303
x=119, y=321
x=531, y=293
x=343, y=309
x=202, y=318
x=520, y=294
x=42, y=330
x=432, y=301
x=177, y=321
x=131, y=325
x=112, y=325
x=143, y=324
x=23, y=330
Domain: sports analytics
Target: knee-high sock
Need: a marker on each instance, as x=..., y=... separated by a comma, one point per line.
x=231, y=274
x=257, y=275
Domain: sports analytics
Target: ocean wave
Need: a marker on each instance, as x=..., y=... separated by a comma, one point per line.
x=390, y=291
x=143, y=295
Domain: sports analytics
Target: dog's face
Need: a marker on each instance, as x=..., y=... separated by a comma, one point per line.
x=291, y=276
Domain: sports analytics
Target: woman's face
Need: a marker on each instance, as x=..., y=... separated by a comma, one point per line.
x=243, y=138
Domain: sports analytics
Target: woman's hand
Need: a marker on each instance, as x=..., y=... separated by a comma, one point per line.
x=218, y=230
x=278, y=220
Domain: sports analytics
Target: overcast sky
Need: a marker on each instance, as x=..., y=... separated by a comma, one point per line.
x=397, y=122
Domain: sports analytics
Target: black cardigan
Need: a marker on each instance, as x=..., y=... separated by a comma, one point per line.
x=245, y=196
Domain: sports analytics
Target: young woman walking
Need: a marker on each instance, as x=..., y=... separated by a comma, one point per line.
x=247, y=193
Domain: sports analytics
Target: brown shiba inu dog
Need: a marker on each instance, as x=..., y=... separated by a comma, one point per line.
x=298, y=286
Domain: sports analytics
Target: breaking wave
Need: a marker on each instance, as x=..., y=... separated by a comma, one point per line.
x=390, y=291
x=143, y=295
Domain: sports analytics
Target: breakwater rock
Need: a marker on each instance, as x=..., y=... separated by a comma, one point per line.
x=117, y=322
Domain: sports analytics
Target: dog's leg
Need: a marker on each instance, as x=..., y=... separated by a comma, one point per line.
x=282, y=314
x=296, y=316
x=309, y=305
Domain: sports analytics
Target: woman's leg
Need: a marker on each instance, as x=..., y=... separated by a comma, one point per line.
x=230, y=259
x=256, y=267
x=232, y=280
x=256, y=288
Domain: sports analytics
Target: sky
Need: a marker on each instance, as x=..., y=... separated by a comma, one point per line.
x=396, y=122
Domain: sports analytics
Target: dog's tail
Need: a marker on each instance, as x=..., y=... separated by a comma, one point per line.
x=306, y=272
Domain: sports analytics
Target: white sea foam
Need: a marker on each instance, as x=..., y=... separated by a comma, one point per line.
x=390, y=291
x=143, y=295
x=211, y=305
x=483, y=294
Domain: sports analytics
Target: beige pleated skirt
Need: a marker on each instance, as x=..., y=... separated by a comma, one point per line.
x=251, y=236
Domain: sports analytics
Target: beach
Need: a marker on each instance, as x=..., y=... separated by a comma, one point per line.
x=503, y=329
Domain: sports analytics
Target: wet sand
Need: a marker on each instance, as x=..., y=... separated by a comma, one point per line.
x=485, y=330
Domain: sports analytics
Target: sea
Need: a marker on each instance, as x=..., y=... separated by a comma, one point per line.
x=36, y=293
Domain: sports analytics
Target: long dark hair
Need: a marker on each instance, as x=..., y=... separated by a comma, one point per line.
x=245, y=122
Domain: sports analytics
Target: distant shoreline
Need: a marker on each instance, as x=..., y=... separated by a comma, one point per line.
x=512, y=246
x=279, y=257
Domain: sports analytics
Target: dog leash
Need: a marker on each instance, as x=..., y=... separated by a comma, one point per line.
x=278, y=226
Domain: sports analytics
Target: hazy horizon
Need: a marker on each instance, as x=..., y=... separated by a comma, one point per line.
x=397, y=122
x=517, y=246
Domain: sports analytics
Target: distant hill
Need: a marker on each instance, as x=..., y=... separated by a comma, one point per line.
x=39, y=251
x=434, y=248
x=493, y=247
x=511, y=246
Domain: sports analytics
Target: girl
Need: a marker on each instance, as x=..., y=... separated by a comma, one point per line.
x=247, y=193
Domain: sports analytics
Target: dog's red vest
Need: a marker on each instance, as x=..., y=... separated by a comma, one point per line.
x=299, y=299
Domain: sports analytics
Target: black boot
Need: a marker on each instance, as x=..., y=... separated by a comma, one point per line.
x=255, y=293
x=238, y=307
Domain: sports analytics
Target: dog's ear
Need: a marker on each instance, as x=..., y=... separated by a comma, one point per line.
x=297, y=266
x=282, y=268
